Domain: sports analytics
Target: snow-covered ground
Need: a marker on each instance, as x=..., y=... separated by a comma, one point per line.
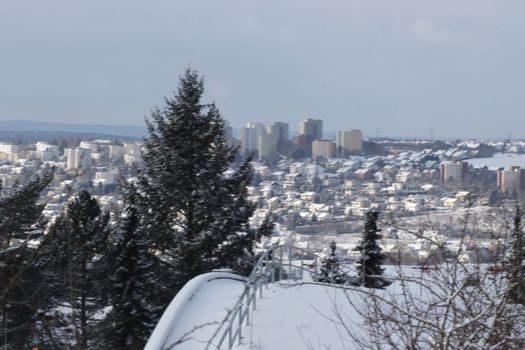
x=291, y=315
x=296, y=317
x=499, y=160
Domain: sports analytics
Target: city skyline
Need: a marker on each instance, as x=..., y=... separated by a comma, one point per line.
x=137, y=130
x=176, y=173
x=403, y=69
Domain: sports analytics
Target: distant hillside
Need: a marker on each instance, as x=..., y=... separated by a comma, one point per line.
x=25, y=137
x=35, y=126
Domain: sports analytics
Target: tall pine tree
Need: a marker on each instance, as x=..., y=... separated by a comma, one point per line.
x=369, y=270
x=134, y=286
x=76, y=251
x=197, y=217
x=516, y=260
x=21, y=284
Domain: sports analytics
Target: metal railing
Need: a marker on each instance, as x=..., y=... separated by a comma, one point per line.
x=276, y=263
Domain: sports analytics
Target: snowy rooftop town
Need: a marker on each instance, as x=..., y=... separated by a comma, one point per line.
x=262, y=175
x=345, y=243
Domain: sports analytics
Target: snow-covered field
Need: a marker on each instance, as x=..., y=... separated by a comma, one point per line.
x=297, y=317
x=499, y=160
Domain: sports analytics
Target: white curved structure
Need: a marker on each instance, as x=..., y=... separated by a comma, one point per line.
x=194, y=313
x=211, y=310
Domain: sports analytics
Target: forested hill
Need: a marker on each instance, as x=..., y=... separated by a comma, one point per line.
x=38, y=126
x=26, y=137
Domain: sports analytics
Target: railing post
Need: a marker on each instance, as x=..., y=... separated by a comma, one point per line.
x=290, y=262
x=302, y=264
x=240, y=322
x=247, y=310
x=266, y=270
x=281, y=259
x=230, y=343
x=254, y=295
x=315, y=267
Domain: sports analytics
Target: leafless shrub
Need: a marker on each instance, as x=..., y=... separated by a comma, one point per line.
x=456, y=304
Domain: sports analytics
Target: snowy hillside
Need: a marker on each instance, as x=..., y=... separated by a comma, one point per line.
x=289, y=316
x=303, y=314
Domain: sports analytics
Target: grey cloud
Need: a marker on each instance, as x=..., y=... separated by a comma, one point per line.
x=405, y=66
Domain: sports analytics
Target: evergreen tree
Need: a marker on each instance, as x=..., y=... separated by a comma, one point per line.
x=75, y=263
x=330, y=269
x=21, y=228
x=369, y=271
x=133, y=287
x=196, y=216
x=516, y=274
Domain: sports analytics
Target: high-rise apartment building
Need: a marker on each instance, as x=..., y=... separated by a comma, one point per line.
x=9, y=151
x=454, y=172
x=249, y=136
x=78, y=159
x=310, y=130
x=266, y=145
x=70, y=158
x=350, y=141
x=312, y=127
x=9, y=148
x=228, y=133
x=323, y=149
x=511, y=180
x=280, y=131
x=301, y=143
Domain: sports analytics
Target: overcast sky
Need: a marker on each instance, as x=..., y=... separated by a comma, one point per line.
x=404, y=66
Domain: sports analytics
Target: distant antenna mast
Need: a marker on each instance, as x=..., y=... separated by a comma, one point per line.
x=378, y=132
x=431, y=132
x=506, y=143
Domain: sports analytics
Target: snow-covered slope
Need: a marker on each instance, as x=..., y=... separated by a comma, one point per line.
x=291, y=315
x=296, y=316
x=192, y=316
x=302, y=314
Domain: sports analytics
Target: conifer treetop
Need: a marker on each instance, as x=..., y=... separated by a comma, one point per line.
x=195, y=215
x=369, y=270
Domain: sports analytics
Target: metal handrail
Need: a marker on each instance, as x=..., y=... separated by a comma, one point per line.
x=271, y=266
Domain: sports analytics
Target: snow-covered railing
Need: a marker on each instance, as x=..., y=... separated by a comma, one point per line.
x=276, y=263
